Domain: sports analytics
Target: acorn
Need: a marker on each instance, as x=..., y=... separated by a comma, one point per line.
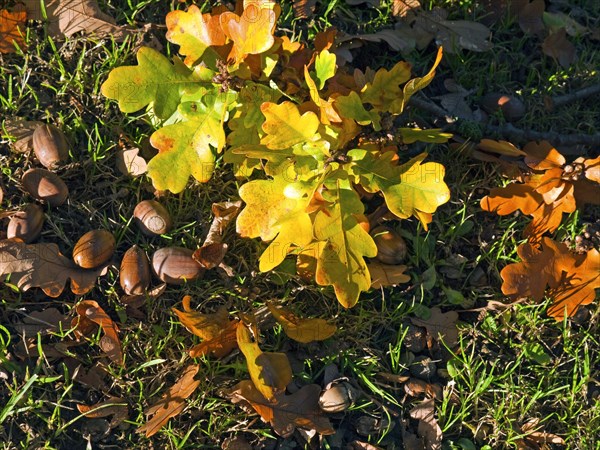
x=175, y=265
x=152, y=217
x=26, y=224
x=94, y=248
x=135, y=273
x=50, y=145
x=512, y=108
x=45, y=186
x=391, y=247
x=337, y=396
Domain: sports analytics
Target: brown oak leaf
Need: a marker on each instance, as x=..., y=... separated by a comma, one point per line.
x=91, y=314
x=285, y=413
x=12, y=29
x=569, y=279
x=43, y=266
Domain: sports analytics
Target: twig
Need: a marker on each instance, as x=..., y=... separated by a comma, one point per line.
x=561, y=100
x=509, y=131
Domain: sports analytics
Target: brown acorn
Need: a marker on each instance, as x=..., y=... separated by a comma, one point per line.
x=512, y=108
x=391, y=247
x=26, y=224
x=152, y=217
x=46, y=186
x=175, y=265
x=94, y=248
x=337, y=396
x=50, y=145
x=135, y=275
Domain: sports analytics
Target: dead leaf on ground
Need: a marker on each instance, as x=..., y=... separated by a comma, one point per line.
x=533, y=436
x=130, y=163
x=428, y=427
x=114, y=406
x=21, y=131
x=49, y=320
x=172, y=402
x=440, y=326
x=286, y=412
x=383, y=275
x=400, y=8
x=304, y=9
x=557, y=46
x=359, y=445
x=531, y=17
x=89, y=313
x=67, y=17
x=43, y=266
x=300, y=329
x=399, y=39
x=12, y=29
x=552, y=271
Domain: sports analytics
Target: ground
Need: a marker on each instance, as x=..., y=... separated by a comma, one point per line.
x=512, y=370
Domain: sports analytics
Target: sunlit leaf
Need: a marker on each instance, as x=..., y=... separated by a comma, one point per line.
x=284, y=127
x=300, y=329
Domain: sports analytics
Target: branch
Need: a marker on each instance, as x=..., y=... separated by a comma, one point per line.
x=509, y=131
x=561, y=100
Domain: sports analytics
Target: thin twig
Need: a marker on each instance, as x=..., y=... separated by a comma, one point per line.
x=561, y=100
x=509, y=131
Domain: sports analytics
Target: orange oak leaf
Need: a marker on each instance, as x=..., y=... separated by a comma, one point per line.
x=217, y=331
x=89, y=313
x=300, y=329
x=286, y=412
x=43, y=266
x=172, y=402
x=12, y=26
x=252, y=32
x=114, y=406
x=567, y=278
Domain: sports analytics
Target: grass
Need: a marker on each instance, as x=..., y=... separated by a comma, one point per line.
x=511, y=366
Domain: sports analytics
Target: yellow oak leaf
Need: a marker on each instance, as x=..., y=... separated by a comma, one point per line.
x=285, y=127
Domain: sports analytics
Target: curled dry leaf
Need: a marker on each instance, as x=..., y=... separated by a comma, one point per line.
x=299, y=329
x=91, y=314
x=43, y=266
x=49, y=320
x=114, y=406
x=172, y=402
x=428, y=428
x=568, y=279
x=130, y=163
x=304, y=9
x=67, y=17
x=441, y=326
x=285, y=413
x=383, y=275
x=21, y=131
x=217, y=330
x=400, y=8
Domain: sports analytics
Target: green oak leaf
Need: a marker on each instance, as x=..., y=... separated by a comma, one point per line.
x=416, y=84
x=408, y=189
x=384, y=92
x=154, y=81
x=351, y=107
x=344, y=244
x=324, y=67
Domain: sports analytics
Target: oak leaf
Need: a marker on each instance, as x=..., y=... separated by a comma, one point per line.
x=285, y=127
x=440, y=326
x=89, y=313
x=568, y=279
x=383, y=275
x=419, y=83
x=384, y=92
x=114, y=406
x=43, y=266
x=12, y=29
x=301, y=329
x=286, y=412
x=269, y=371
x=172, y=402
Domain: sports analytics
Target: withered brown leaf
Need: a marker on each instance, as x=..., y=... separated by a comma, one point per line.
x=172, y=402
x=43, y=266
x=286, y=412
x=91, y=314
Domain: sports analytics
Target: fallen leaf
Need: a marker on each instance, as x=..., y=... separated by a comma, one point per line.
x=531, y=17
x=300, y=329
x=21, y=131
x=428, y=427
x=43, y=266
x=441, y=326
x=304, y=9
x=400, y=8
x=50, y=320
x=12, y=29
x=270, y=372
x=130, y=163
x=452, y=35
x=286, y=412
x=358, y=445
x=532, y=434
x=114, y=406
x=67, y=17
x=89, y=311
x=172, y=402
x=557, y=46
x=219, y=346
x=206, y=326
x=383, y=275
x=568, y=279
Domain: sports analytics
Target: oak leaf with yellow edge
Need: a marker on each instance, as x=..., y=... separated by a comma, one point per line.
x=285, y=127
x=301, y=329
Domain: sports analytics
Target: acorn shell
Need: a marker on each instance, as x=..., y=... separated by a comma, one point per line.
x=391, y=247
x=45, y=186
x=94, y=248
x=26, y=224
x=174, y=265
x=152, y=217
x=50, y=145
x=135, y=275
